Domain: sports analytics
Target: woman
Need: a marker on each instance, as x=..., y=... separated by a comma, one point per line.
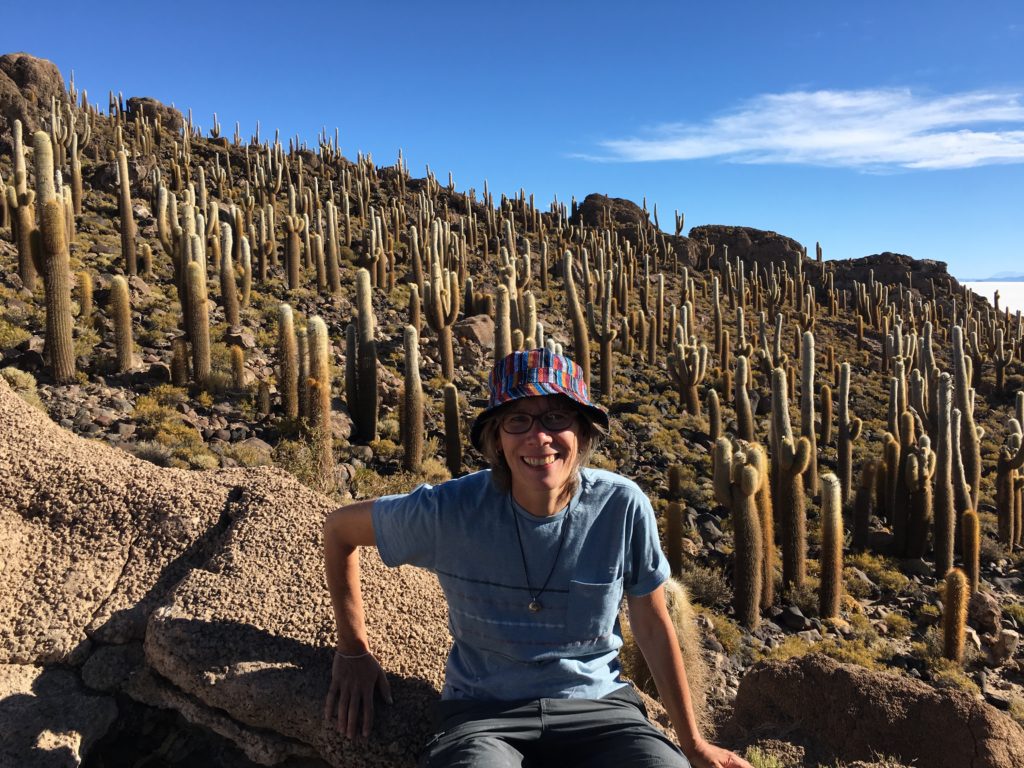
x=533, y=556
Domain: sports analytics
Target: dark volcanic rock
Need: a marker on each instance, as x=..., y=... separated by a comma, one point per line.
x=151, y=109
x=750, y=245
x=26, y=86
x=856, y=714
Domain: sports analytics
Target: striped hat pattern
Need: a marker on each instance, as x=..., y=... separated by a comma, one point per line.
x=535, y=373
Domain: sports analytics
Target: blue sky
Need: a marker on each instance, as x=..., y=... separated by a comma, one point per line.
x=867, y=126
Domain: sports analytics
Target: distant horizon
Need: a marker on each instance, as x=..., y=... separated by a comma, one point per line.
x=869, y=128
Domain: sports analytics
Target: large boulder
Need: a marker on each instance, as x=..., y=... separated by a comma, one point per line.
x=27, y=85
x=170, y=118
x=751, y=246
x=856, y=714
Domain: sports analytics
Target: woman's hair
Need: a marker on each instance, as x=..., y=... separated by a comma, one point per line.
x=588, y=436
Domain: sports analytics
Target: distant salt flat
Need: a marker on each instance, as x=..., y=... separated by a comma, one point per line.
x=1011, y=294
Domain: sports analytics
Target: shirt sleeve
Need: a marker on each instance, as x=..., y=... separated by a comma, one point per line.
x=647, y=565
x=406, y=527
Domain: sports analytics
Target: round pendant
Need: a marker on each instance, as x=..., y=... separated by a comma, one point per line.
x=535, y=606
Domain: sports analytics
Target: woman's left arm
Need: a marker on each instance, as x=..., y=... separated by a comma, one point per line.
x=656, y=638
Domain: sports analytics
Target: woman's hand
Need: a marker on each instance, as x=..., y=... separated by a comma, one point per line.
x=354, y=680
x=707, y=755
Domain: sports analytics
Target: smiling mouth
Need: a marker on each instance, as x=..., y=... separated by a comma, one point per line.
x=540, y=461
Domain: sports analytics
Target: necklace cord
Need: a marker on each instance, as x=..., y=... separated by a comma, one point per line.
x=535, y=597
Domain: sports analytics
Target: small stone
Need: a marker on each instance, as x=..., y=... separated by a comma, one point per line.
x=1004, y=646
x=984, y=612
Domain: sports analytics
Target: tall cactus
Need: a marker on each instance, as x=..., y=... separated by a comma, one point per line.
x=963, y=399
x=198, y=322
x=920, y=469
x=971, y=527
x=288, y=362
x=945, y=510
x=412, y=442
x=848, y=432
x=807, y=426
x=121, y=310
x=581, y=339
x=1008, y=465
x=124, y=204
x=441, y=307
x=790, y=460
x=21, y=201
x=228, y=287
x=605, y=332
x=736, y=481
x=744, y=413
x=362, y=362
x=954, y=618
x=452, y=430
x=502, y=325
x=55, y=264
x=831, y=586
x=863, y=505
x=320, y=423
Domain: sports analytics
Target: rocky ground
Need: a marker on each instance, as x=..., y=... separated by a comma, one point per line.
x=165, y=571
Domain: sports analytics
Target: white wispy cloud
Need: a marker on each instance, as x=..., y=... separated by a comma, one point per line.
x=872, y=129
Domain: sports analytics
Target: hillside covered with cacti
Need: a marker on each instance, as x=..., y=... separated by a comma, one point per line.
x=834, y=449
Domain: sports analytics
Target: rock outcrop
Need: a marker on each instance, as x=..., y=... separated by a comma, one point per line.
x=856, y=714
x=27, y=85
x=152, y=109
x=201, y=591
x=748, y=244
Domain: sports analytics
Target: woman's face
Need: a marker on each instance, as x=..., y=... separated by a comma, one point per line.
x=540, y=458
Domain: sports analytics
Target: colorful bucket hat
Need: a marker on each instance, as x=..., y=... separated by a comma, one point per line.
x=535, y=373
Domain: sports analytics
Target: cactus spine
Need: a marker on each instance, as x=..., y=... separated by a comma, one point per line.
x=581, y=341
x=198, y=322
x=791, y=459
x=412, y=458
x=831, y=587
x=320, y=400
x=55, y=263
x=365, y=362
x=452, y=430
x=954, y=618
x=849, y=430
x=288, y=362
x=124, y=201
x=121, y=309
x=737, y=477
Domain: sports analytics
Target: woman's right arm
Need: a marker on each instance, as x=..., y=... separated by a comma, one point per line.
x=356, y=674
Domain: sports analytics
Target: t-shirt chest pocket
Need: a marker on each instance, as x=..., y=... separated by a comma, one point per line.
x=592, y=610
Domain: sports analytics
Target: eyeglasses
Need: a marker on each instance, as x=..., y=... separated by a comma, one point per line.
x=553, y=421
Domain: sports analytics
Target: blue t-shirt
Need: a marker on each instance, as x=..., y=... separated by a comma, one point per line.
x=464, y=531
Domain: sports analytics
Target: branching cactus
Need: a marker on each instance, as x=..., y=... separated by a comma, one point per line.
x=452, y=430
x=55, y=264
x=1008, y=465
x=849, y=431
x=688, y=367
x=920, y=468
x=412, y=458
x=121, y=310
x=831, y=587
x=581, y=339
x=1002, y=356
x=288, y=362
x=954, y=618
x=124, y=204
x=441, y=307
x=736, y=481
x=295, y=225
x=963, y=400
x=791, y=459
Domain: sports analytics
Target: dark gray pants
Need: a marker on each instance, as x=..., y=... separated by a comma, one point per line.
x=612, y=732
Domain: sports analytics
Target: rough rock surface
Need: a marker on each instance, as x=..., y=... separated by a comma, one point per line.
x=896, y=269
x=748, y=244
x=48, y=720
x=151, y=109
x=96, y=540
x=26, y=86
x=856, y=714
